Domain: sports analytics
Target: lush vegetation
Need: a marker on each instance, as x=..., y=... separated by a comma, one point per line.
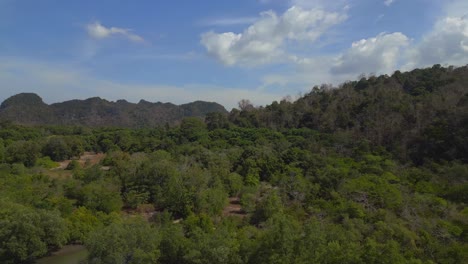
x=374, y=171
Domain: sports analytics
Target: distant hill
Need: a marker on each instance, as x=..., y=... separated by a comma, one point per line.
x=29, y=109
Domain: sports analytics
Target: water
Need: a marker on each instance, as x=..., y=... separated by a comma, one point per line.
x=71, y=254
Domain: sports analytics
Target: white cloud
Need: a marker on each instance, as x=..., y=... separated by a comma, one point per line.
x=389, y=2
x=380, y=54
x=456, y=8
x=264, y=41
x=447, y=43
x=98, y=31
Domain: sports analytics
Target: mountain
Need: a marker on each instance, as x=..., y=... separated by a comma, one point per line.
x=30, y=109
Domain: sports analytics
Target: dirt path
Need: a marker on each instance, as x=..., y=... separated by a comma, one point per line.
x=234, y=208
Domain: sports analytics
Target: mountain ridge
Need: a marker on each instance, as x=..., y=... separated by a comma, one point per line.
x=30, y=109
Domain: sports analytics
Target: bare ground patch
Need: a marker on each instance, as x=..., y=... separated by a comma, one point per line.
x=234, y=208
x=87, y=159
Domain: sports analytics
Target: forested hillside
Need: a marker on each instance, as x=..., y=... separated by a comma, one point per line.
x=373, y=171
x=29, y=109
x=414, y=115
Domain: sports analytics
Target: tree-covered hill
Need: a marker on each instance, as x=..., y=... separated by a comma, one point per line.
x=415, y=115
x=29, y=109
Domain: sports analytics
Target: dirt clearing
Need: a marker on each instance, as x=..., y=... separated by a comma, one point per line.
x=87, y=159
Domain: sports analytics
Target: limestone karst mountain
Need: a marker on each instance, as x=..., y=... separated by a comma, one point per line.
x=29, y=109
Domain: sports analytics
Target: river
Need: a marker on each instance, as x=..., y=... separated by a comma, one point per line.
x=71, y=254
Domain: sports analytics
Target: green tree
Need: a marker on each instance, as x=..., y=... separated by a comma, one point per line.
x=212, y=201
x=134, y=198
x=101, y=196
x=131, y=241
x=278, y=244
x=193, y=129
x=216, y=121
x=234, y=184
x=57, y=149
x=374, y=192
x=25, y=152
x=26, y=233
x=81, y=223
x=174, y=245
x=221, y=246
x=268, y=206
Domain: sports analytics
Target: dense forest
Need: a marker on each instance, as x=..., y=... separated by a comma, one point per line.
x=372, y=171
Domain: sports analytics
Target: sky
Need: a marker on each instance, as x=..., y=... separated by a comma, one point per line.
x=184, y=50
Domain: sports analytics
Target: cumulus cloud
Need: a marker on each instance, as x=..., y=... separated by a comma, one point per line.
x=98, y=31
x=380, y=54
x=447, y=43
x=264, y=41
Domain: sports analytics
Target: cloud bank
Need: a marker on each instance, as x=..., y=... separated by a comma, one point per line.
x=266, y=40
x=271, y=40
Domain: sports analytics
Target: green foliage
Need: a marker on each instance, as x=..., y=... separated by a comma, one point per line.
x=234, y=184
x=174, y=245
x=26, y=189
x=81, y=223
x=57, y=149
x=278, y=243
x=25, y=152
x=216, y=121
x=27, y=233
x=192, y=129
x=101, y=196
x=267, y=206
x=374, y=192
x=212, y=201
x=46, y=162
x=131, y=241
x=134, y=198
x=213, y=247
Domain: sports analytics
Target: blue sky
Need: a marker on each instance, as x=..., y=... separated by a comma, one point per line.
x=224, y=51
